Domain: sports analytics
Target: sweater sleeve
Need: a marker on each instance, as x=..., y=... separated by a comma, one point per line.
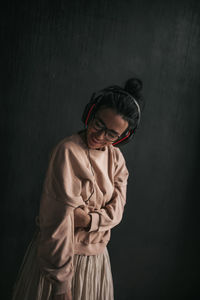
x=111, y=214
x=60, y=196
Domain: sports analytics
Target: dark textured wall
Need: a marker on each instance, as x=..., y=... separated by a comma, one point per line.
x=54, y=57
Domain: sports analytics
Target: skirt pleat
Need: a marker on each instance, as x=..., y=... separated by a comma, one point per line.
x=31, y=283
x=92, y=278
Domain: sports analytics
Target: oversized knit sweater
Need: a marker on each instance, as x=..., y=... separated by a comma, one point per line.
x=77, y=176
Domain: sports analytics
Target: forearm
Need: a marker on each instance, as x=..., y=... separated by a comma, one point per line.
x=111, y=215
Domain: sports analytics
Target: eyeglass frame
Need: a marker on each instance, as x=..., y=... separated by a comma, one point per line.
x=105, y=129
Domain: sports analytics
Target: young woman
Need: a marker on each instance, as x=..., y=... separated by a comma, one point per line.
x=83, y=198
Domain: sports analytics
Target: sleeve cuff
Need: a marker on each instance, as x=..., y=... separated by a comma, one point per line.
x=94, y=225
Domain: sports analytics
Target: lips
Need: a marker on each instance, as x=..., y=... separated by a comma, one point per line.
x=94, y=141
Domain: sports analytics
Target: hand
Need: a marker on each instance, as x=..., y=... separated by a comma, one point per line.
x=81, y=218
x=66, y=296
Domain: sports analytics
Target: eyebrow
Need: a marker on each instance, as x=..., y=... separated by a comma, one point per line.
x=106, y=126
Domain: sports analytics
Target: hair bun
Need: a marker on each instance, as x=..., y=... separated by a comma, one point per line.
x=134, y=87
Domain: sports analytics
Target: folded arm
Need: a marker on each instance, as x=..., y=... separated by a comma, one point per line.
x=111, y=214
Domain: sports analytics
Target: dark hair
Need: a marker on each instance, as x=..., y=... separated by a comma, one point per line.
x=121, y=100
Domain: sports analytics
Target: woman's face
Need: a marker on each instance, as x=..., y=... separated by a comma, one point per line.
x=105, y=118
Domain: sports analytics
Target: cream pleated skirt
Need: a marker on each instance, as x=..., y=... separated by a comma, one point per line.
x=92, y=278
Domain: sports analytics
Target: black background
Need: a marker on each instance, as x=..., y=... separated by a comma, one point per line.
x=55, y=55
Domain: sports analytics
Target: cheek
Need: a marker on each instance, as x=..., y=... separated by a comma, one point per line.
x=90, y=131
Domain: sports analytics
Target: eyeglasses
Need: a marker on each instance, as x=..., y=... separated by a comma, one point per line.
x=99, y=127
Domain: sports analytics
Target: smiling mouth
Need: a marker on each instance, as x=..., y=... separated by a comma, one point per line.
x=94, y=141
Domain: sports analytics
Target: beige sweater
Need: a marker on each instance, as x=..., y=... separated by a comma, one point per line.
x=77, y=176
